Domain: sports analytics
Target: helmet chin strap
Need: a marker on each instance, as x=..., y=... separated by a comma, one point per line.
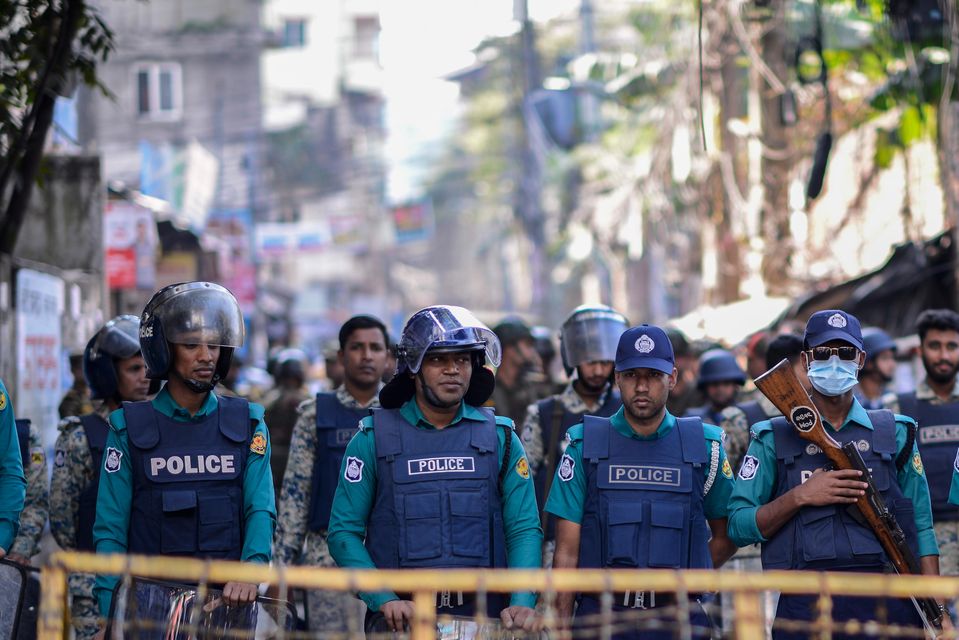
x=197, y=386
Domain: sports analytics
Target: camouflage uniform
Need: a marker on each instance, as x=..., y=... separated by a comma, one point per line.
x=947, y=533
x=294, y=543
x=72, y=473
x=76, y=402
x=735, y=428
x=33, y=518
x=532, y=437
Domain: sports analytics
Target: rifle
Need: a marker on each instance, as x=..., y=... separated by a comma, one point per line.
x=784, y=390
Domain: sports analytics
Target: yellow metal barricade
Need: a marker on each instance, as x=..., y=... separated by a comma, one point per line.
x=747, y=589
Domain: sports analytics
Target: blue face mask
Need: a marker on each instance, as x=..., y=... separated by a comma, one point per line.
x=833, y=377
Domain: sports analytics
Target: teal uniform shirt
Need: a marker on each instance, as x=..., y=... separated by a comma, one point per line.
x=353, y=502
x=116, y=491
x=13, y=485
x=752, y=493
x=567, y=496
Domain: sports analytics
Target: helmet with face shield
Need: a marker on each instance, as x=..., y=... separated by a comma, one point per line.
x=591, y=333
x=190, y=313
x=447, y=329
x=118, y=339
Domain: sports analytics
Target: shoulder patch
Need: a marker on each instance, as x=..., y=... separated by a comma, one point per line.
x=59, y=458
x=353, y=470
x=727, y=469
x=566, y=468
x=258, y=443
x=111, y=460
x=522, y=468
x=37, y=456
x=749, y=468
x=3, y=401
x=917, y=462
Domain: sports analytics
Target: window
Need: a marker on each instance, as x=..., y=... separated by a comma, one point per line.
x=294, y=33
x=159, y=91
x=366, y=36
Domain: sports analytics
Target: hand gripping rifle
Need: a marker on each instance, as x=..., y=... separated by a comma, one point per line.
x=784, y=390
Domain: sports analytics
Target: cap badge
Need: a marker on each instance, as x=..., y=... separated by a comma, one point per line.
x=645, y=344
x=837, y=320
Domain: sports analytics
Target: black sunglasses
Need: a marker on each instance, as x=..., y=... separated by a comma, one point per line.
x=824, y=353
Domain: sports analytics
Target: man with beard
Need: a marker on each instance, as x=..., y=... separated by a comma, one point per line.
x=188, y=472
x=935, y=407
x=879, y=369
x=641, y=489
x=433, y=480
x=588, y=341
x=324, y=428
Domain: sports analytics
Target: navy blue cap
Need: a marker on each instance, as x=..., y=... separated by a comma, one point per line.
x=645, y=347
x=875, y=341
x=832, y=324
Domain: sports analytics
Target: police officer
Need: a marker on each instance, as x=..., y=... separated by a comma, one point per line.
x=324, y=428
x=641, y=489
x=720, y=379
x=33, y=518
x=879, y=369
x=432, y=480
x=784, y=500
x=588, y=341
x=12, y=482
x=935, y=407
x=187, y=473
x=735, y=423
x=115, y=372
x=281, y=404
x=520, y=380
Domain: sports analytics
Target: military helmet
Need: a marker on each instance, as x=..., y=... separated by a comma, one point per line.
x=875, y=341
x=449, y=329
x=590, y=333
x=190, y=313
x=719, y=365
x=118, y=339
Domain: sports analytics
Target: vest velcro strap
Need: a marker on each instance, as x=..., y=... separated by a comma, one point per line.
x=482, y=438
x=234, y=418
x=787, y=447
x=96, y=430
x=143, y=429
x=386, y=435
x=595, y=438
x=884, y=433
x=692, y=436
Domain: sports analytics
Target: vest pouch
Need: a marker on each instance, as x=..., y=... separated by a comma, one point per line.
x=905, y=514
x=623, y=520
x=667, y=542
x=219, y=521
x=817, y=533
x=862, y=541
x=178, y=529
x=469, y=514
x=422, y=538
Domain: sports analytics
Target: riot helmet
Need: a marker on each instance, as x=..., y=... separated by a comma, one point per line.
x=290, y=363
x=719, y=365
x=446, y=329
x=118, y=339
x=590, y=333
x=190, y=313
x=875, y=341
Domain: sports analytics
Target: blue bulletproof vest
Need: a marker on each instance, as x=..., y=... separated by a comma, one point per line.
x=938, y=439
x=335, y=426
x=23, y=439
x=437, y=498
x=96, y=430
x=188, y=480
x=546, y=408
x=644, y=498
x=831, y=537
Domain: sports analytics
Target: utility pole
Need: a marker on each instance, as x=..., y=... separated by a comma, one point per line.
x=527, y=204
x=587, y=45
x=776, y=160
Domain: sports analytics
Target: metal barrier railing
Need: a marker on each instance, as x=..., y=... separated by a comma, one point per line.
x=747, y=588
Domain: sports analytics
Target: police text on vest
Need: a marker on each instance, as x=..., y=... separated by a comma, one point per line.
x=643, y=474
x=443, y=464
x=192, y=465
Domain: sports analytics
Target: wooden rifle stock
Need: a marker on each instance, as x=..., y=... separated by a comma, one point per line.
x=784, y=390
